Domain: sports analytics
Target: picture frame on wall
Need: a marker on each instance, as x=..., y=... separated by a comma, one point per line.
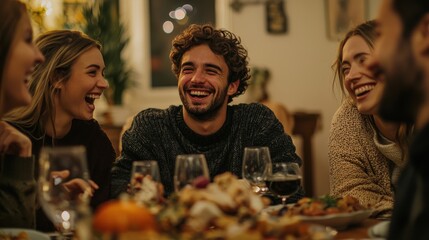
x=276, y=17
x=342, y=15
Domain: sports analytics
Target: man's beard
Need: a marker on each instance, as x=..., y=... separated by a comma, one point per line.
x=403, y=93
x=208, y=112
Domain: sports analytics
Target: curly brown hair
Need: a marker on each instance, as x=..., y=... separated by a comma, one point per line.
x=221, y=42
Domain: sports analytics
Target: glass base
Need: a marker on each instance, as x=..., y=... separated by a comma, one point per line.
x=261, y=190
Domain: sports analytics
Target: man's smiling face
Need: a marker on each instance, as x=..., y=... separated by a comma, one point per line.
x=203, y=82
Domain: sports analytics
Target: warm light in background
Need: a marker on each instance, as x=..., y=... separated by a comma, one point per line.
x=180, y=14
x=168, y=27
x=52, y=14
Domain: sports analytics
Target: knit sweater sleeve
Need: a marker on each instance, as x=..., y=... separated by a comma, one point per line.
x=136, y=145
x=17, y=192
x=356, y=168
x=270, y=133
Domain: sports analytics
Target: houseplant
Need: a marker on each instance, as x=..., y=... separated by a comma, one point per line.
x=103, y=24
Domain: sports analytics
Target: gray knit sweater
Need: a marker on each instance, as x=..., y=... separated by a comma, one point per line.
x=356, y=165
x=162, y=134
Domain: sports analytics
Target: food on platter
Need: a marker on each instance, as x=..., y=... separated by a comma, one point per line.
x=196, y=208
x=227, y=193
x=116, y=216
x=146, y=190
x=338, y=213
x=325, y=205
x=223, y=209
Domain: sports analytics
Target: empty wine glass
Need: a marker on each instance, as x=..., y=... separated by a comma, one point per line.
x=63, y=188
x=145, y=180
x=284, y=179
x=188, y=168
x=256, y=163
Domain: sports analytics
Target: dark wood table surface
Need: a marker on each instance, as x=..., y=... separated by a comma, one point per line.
x=358, y=231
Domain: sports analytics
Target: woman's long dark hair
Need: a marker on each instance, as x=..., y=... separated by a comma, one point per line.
x=11, y=12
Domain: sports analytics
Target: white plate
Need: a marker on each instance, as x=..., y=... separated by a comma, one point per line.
x=321, y=232
x=379, y=230
x=274, y=208
x=338, y=221
x=32, y=234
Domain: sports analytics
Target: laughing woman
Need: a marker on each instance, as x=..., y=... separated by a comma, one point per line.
x=366, y=154
x=64, y=88
x=18, y=56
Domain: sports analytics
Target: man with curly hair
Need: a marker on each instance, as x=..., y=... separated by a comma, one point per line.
x=211, y=66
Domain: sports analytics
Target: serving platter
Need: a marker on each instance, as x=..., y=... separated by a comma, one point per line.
x=339, y=221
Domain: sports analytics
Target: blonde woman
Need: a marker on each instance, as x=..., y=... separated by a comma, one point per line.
x=64, y=89
x=366, y=153
x=18, y=55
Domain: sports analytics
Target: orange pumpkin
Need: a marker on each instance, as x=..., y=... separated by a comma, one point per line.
x=118, y=216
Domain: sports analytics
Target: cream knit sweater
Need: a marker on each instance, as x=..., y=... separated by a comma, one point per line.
x=356, y=165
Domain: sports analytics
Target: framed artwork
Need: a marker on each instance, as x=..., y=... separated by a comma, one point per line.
x=168, y=18
x=276, y=16
x=343, y=15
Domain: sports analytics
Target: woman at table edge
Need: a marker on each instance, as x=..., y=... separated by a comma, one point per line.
x=64, y=89
x=366, y=153
x=17, y=60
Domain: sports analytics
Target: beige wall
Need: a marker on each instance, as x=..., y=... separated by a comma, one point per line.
x=300, y=62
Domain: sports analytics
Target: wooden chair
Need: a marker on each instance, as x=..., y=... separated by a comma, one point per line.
x=305, y=126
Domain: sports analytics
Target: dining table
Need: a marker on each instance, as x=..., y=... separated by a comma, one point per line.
x=359, y=231
x=354, y=232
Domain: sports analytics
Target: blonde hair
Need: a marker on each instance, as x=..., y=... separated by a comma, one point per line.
x=366, y=30
x=61, y=49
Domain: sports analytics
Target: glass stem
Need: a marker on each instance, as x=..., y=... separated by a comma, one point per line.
x=284, y=201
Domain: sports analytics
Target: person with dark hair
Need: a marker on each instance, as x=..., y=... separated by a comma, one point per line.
x=366, y=153
x=401, y=58
x=212, y=68
x=64, y=88
x=18, y=56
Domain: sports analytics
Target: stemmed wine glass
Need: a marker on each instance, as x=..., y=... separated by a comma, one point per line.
x=64, y=190
x=145, y=181
x=188, y=168
x=283, y=179
x=256, y=163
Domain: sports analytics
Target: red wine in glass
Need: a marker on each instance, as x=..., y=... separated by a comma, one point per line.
x=284, y=180
x=284, y=186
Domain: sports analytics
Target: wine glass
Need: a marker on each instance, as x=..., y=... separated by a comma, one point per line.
x=256, y=163
x=63, y=188
x=145, y=180
x=190, y=167
x=283, y=179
